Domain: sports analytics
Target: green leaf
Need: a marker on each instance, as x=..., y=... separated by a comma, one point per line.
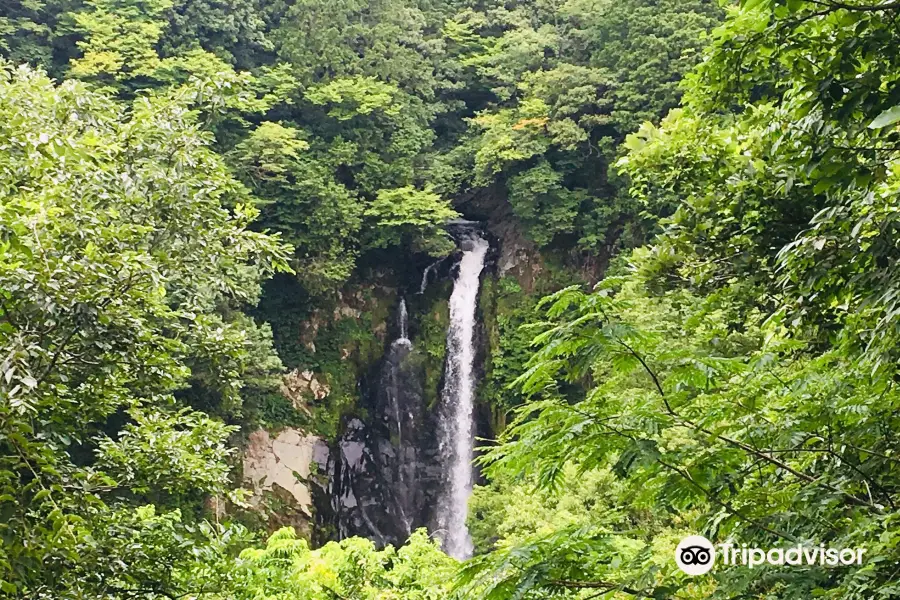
x=888, y=117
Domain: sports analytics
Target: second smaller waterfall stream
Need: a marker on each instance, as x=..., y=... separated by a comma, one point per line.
x=456, y=427
x=403, y=319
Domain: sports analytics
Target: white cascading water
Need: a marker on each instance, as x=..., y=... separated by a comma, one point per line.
x=427, y=272
x=404, y=321
x=399, y=349
x=456, y=431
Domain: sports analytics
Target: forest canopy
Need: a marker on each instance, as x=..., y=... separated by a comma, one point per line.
x=185, y=185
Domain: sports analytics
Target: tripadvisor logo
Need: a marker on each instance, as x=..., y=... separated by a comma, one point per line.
x=696, y=555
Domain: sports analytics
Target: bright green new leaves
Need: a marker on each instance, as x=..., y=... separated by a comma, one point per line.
x=121, y=38
x=268, y=152
x=122, y=274
x=121, y=52
x=356, y=96
x=120, y=43
x=353, y=568
x=411, y=217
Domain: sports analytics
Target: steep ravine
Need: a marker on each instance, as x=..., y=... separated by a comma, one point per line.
x=398, y=456
x=404, y=461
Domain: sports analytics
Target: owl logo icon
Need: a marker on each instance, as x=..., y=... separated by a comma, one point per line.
x=695, y=555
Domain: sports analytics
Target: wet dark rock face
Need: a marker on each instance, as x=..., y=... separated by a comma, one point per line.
x=384, y=472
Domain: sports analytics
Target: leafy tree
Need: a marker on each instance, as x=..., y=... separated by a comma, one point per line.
x=384, y=39
x=329, y=224
x=647, y=47
x=785, y=188
x=120, y=38
x=353, y=568
x=30, y=31
x=413, y=218
x=319, y=215
x=122, y=273
x=236, y=31
x=371, y=130
x=741, y=373
x=743, y=432
x=570, y=80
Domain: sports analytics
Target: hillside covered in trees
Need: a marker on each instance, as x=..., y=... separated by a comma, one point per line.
x=599, y=274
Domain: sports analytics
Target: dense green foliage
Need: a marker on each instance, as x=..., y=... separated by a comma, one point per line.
x=353, y=568
x=122, y=275
x=738, y=372
x=734, y=373
x=570, y=80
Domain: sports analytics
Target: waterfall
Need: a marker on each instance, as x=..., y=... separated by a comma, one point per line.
x=427, y=272
x=456, y=428
x=404, y=322
x=391, y=378
x=408, y=462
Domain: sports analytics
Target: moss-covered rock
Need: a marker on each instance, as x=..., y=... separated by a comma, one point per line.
x=326, y=343
x=508, y=305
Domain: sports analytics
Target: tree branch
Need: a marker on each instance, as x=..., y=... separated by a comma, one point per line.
x=726, y=505
x=739, y=444
x=603, y=585
x=857, y=7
